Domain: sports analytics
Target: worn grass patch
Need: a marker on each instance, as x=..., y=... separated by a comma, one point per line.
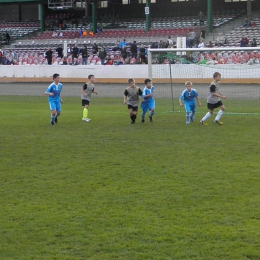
x=109, y=190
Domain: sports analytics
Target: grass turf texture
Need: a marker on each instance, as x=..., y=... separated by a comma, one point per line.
x=110, y=190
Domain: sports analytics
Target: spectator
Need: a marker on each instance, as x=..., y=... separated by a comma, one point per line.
x=192, y=36
x=61, y=34
x=142, y=54
x=202, y=33
x=243, y=42
x=253, y=61
x=59, y=50
x=122, y=44
x=247, y=23
x=48, y=55
x=169, y=42
x=94, y=48
x=75, y=62
x=55, y=34
x=85, y=34
x=64, y=62
x=91, y=34
x=134, y=50
x=102, y=55
x=254, y=43
x=75, y=52
x=84, y=53
x=201, y=44
x=201, y=18
x=124, y=52
x=210, y=45
x=8, y=38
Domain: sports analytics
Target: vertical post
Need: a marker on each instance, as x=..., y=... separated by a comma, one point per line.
x=209, y=16
x=150, y=64
x=42, y=17
x=94, y=16
x=249, y=10
x=86, y=9
x=65, y=49
x=170, y=64
x=148, y=15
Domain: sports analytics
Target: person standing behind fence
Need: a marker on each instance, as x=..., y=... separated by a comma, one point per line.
x=201, y=18
x=48, y=55
x=84, y=53
x=134, y=50
x=75, y=52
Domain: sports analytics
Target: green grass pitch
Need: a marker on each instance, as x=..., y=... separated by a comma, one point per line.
x=109, y=190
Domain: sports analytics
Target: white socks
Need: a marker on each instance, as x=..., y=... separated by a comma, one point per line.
x=206, y=117
x=220, y=113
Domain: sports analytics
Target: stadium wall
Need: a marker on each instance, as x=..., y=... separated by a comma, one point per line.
x=245, y=74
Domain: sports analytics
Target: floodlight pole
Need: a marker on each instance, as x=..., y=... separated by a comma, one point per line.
x=148, y=15
x=42, y=16
x=94, y=16
x=209, y=16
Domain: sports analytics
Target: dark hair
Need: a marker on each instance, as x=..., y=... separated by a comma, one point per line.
x=216, y=74
x=146, y=81
x=55, y=75
x=89, y=76
x=130, y=80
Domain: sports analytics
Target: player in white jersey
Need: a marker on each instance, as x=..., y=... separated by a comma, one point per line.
x=54, y=98
x=86, y=91
x=148, y=103
x=188, y=96
x=214, y=100
x=131, y=98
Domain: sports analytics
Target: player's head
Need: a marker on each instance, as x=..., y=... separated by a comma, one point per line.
x=148, y=83
x=56, y=77
x=91, y=78
x=217, y=76
x=131, y=82
x=188, y=85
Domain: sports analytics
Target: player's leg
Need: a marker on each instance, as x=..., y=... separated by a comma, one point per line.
x=58, y=110
x=152, y=109
x=211, y=108
x=192, y=113
x=131, y=114
x=220, y=113
x=144, y=110
x=85, y=104
x=187, y=109
x=134, y=114
x=52, y=106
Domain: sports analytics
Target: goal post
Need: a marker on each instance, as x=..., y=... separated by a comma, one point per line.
x=169, y=69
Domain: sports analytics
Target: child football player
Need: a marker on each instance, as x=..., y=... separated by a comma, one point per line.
x=148, y=100
x=86, y=91
x=214, y=100
x=188, y=96
x=54, y=98
x=131, y=98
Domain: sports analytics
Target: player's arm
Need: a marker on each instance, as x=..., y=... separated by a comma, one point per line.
x=222, y=96
x=125, y=96
x=95, y=92
x=48, y=92
x=180, y=100
x=82, y=90
x=198, y=101
x=213, y=91
x=61, y=100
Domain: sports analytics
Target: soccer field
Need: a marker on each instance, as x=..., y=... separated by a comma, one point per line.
x=109, y=190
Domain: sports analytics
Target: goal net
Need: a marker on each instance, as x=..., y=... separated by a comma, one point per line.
x=169, y=69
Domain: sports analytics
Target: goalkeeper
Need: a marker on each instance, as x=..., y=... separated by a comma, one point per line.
x=148, y=100
x=188, y=96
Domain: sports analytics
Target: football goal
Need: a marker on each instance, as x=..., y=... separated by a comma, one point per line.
x=169, y=69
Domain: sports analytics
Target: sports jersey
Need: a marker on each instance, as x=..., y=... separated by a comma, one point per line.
x=132, y=95
x=147, y=91
x=88, y=89
x=189, y=97
x=213, y=88
x=56, y=90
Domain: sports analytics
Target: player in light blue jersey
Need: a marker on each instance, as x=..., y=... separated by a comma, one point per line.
x=54, y=98
x=148, y=100
x=188, y=96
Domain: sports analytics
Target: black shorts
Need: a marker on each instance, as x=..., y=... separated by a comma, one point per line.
x=133, y=108
x=85, y=102
x=213, y=106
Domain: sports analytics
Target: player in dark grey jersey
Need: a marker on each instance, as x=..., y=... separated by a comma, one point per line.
x=86, y=91
x=131, y=98
x=214, y=100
